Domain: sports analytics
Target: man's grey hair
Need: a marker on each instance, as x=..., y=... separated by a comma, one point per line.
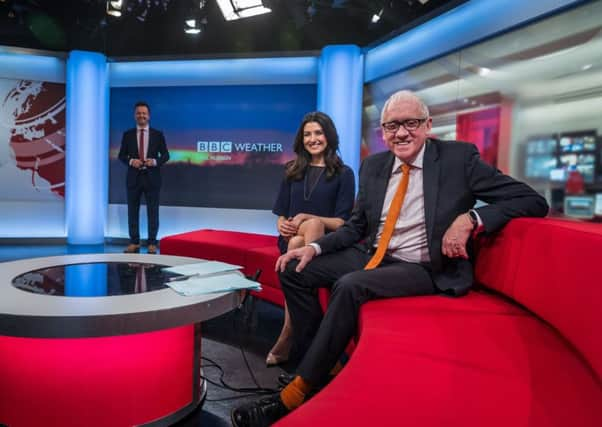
x=405, y=96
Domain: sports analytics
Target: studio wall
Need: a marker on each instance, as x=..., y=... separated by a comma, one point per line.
x=472, y=21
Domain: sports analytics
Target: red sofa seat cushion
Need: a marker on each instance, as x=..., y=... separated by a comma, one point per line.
x=473, y=361
x=226, y=246
x=554, y=269
x=221, y=239
x=250, y=250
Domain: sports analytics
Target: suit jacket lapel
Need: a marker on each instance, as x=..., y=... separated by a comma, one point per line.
x=380, y=188
x=431, y=169
x=151, y=141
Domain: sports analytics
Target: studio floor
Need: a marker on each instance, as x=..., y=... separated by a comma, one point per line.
x=234, y=345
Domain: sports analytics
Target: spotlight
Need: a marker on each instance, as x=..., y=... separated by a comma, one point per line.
x=376, y=16
x=192, y=26
x=196, y=19
x=236, y=9
x=114, y=8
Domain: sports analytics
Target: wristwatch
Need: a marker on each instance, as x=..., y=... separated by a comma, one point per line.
x=472, y=214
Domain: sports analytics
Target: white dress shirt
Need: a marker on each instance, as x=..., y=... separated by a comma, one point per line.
x=144, y=143
x=409, y=241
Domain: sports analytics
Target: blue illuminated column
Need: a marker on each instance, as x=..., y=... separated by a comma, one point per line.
x=340, y=85
x=86, y=280
x=87, y=165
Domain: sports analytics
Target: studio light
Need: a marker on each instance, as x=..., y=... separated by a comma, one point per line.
x=376, y=17
x=237, y=9
x=192, y=26
x=196, y=19
x=114, y=8
x=483, y=71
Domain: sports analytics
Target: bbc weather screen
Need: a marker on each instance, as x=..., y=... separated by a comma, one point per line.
x=227, y=144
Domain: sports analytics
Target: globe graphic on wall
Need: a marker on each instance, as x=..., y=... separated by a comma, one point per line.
x=37, y=132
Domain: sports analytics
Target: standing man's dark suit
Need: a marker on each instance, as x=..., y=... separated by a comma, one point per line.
x=429, y=252
x=143, y=177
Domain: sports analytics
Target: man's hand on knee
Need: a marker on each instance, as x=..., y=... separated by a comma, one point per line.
x=304, y=255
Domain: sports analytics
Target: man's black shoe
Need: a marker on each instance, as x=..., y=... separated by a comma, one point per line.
x=262, y=413
x=285, y=379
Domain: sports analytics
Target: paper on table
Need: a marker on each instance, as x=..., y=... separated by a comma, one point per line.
x=202, y=268
x=211, y=284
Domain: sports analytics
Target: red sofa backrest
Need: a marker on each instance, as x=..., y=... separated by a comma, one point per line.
x=553, y=268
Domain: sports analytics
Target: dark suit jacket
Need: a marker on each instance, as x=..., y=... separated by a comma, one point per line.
x=157, y=149
x=454, y=178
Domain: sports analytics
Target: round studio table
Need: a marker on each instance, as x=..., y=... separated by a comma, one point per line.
x=99, y=340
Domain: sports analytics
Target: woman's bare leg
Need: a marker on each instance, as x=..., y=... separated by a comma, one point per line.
x=310, y=229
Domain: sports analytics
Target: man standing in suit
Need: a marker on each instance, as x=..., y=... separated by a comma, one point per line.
x=409, y=234
x=144, y=151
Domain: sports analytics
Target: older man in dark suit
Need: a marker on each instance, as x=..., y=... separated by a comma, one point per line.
x=144, y=151
x=409, y=235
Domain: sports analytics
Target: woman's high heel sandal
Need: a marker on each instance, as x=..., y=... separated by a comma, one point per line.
x=280, y=352
x=275, y=359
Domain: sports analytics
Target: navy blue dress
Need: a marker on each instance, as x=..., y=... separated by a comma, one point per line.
x=329, y=197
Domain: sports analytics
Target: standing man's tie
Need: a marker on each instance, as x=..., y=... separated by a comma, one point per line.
x=391, y=219
x=141, y=145
x=140, y=284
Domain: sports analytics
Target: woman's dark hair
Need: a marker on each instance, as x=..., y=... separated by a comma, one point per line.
x=295, y=169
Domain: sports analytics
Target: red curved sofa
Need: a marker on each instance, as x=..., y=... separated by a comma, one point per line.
x=522, y=349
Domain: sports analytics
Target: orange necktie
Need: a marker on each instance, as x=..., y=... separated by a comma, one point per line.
x=391, y=219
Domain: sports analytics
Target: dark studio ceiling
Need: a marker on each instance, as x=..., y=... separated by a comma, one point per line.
x=150, y=28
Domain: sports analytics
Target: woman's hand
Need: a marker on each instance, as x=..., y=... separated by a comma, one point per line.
x=298, y=219
x=287, y=228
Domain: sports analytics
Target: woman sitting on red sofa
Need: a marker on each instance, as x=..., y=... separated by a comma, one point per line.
x=316, y=196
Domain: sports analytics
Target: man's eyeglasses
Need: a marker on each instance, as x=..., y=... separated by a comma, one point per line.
x=409, y=125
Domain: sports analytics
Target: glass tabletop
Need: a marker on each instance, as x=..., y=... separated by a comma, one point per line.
x=94, y=279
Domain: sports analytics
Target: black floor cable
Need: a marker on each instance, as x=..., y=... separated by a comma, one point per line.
x=248, y=391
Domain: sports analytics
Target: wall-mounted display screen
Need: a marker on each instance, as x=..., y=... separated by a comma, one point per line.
x=584, y=163
x=540, y=166
x=553, y=158
x=540, y=158
x=227, y=144
x=579, y=206
x=598, y=208
x=577, y=144
x=541, y=145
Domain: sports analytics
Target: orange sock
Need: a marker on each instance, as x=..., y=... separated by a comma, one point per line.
x=293, y=394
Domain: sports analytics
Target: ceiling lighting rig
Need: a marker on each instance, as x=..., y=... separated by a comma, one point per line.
x=114, y=8
x=237, y=9
x=138, y=8
x=196, y=21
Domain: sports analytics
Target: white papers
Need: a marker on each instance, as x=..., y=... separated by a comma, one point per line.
x=202, y=268
x=208, y=277
x=227, y=282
